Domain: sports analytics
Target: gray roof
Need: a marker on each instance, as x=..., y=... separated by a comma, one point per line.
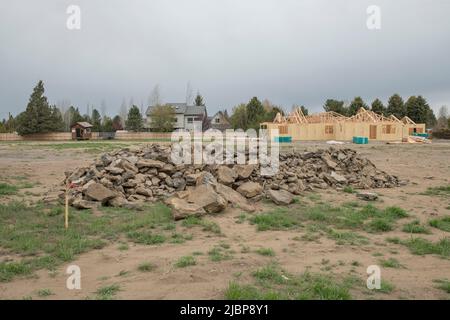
x=85, y=124
x=182, y=108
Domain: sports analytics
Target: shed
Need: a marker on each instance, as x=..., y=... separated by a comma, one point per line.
x=81, y=131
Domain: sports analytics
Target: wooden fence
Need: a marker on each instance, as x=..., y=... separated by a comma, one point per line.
x=62, y=136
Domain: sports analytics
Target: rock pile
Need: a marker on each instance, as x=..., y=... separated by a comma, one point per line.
x=132, y=176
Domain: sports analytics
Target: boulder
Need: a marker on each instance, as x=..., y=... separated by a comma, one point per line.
x=367, y=196
x=144, y=192
x=250, y=189
x=244, y=171
x=206, y=197
x=281, y=197
x=98, y=192
x=234, y=197
x=182, y=209
x=149, y=163
x=338, y=177
x=84, y=204
x=226, y=175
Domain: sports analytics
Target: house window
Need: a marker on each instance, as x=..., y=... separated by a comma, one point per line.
x=283, y=129
x=264, y=126
x=329, y=129
x=388, y=129
x=190, y=120
x=217, y=120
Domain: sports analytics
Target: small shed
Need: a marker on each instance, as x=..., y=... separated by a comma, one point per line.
x=81, y=131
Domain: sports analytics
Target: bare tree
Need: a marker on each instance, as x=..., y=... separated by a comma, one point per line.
x=442, y=121
x=123, y=112
x=189, y=93
x=103, y=108
x=155, y=97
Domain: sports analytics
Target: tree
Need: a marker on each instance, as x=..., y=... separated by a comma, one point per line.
x=198, y=101
x=117, y=123
x=378, y=107
x=419, y=111
x=134, y=121
x=442, y=120
x=255, y=113
x=304, y=110
x=396, y=106
x=239, y=119
x=162, y=118
x=96, y=120
x=107, y=124
x=355, y=105
x=57, y=119
x=38, y=116
x=155, y=96
x=335, y=106
x=73, y=116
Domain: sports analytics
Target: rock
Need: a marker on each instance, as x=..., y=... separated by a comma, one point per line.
x=84, y=204
x=244, y=171
x=281, y=197
x=234, y=197
x=144, y=192
x=182, y=209
x=367, y=196
x=149, y=163
x=226, y=175
x=114, y=170
x=250, y=189
x=338, y=177
x=206, y=197
x=98, y=192
x=118, y=202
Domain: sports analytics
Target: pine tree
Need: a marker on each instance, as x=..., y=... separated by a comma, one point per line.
x=134, y=121
x=255, y=113
x=378, y=107
x=37, y=118
x=417, y=109
x=396, y=106
x=117, y=123
x=96, y=120
x=355, y=105
x=335, y=106
x=199, y=100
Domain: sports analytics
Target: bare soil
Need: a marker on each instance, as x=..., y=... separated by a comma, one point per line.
x=423, y=165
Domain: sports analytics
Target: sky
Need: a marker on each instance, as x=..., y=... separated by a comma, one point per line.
x=288, y=51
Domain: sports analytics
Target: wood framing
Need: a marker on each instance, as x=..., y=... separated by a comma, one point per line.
x=334, y=126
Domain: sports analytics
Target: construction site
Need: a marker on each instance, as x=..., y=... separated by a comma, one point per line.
x=333, y=126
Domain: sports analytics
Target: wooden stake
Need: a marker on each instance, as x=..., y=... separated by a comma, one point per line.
x=66, y=215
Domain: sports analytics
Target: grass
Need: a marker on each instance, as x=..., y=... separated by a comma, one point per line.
x=380, y=225
x=386, y=287
x=348, y=189
x=185, y=261
x=272, y=283
x=443, y=284
x=37, y=233
x=107, y=292
x=277, y=219
x=438, y=191
x=441, y=224
x=420, y=246
x=219, y=254
x=268, y=252
x=347, y=237
x=45, y=293
x=7, y=189
x=146, y=267
x=206, y=225
x=390, y=263
x=415, y=227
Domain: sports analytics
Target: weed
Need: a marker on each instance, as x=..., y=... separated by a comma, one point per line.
x=146, y=267
x=107, y=292
x=185, y=261
x=390, y=263
x=44, y=293
x=443, y=284
x=441, y=224
x=266, y=252
x=278, y=219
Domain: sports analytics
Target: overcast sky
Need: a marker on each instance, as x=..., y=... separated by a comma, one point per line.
x=289, y=51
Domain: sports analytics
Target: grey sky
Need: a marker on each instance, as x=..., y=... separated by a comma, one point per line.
x=289, y=51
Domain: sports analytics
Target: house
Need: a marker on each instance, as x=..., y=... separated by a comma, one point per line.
x=81, y=131
x=220, y=121
x=334, y=126
x=186, y=117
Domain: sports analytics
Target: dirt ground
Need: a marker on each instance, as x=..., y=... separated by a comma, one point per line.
x=423, y=165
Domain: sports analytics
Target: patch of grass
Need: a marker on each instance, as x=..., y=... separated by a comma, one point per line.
x=390, y=263
x=422, y=246
x=266, y=252
x=9, y=270
x=441, y=223
x=207, y=225
x=438, y=191
x=7, y=189
x=278, y=219
x=394, y=240
x=415, y=227
x=347, y=238
x=146, y=237
x=386, y=287
x=107, y=292
x=443, y=284
x=379, y=225
x=348, y=189
x=123, y=247
x=45, y=292
x=185, y=261
x=273, y=283
x=219, y=254
x=146, y=267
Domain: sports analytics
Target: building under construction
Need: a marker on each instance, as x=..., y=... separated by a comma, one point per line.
x=334, y=126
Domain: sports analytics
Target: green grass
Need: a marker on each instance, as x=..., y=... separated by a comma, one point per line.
x=272, y=283
x=146, y=267
x=268, y=252
x=37, y=233
x=185, y=261
x=107, y=292
x=438, y=191
x=347, y=237
x=380, y=225
x=386, y=287
x=420, y=246
x=277, y=219
x=7, y=189
x=415, y=227
x=219, y=254
x=443, y=284
x=441, y=224
x=45, y=293
x=390, y=263
x=348, y=189
x=206, y=225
